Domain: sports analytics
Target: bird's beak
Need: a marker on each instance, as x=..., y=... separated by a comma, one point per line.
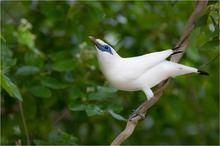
x=93, y=39
x=95, y=42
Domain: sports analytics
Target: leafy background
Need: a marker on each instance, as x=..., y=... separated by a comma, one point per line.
x=49, y=66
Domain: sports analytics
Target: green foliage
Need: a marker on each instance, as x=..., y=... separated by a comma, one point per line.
x=92, y=110
x=58, y=137
x=49, y=63
x=40, y=91
x=10, y=87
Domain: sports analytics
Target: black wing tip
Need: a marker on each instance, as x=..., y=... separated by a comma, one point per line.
x=176, y=52
x=176, y=48
x=202, y=72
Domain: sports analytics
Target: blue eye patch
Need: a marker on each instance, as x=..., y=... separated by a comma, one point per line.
x=104, y=48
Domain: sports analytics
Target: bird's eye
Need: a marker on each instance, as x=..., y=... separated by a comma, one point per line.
x=106, y=47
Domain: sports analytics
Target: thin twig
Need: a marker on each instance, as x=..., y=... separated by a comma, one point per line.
x=24, y=123
x=58, y=119
x=182, y=43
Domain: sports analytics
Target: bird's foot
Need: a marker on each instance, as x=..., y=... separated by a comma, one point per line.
x=136, y=113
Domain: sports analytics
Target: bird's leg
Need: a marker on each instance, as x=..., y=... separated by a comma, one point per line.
x=149, y=93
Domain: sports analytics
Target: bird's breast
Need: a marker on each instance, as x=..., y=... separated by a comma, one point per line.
x=119, y=81
x=118, y=73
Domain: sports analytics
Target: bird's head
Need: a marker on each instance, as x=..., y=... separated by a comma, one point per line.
x=102, y=46
x=107, y=56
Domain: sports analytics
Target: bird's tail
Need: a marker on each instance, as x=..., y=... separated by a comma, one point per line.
x=202, y=72
x=198, y=71
x=175, y=69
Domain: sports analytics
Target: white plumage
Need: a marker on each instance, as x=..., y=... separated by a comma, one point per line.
x=138, y=73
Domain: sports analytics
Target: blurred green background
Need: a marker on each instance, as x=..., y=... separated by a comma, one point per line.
x=50, y=71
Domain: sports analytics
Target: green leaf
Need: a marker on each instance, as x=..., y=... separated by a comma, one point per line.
x=5, y=83
x=27, y=70
x=40, y=91
x=16, y=92
x=100, y=96
x=57, y=136
x=210, y=44
x=74, y=92
x=59, y=56
x=103, y=93
x=26, y=38
x=211, y=60
x=106, y=89
x=202, y=21
x=73, y=106
x=115, y=107
x=52, y=83
x=33, y=59
x=173, y=3
x=10, y=87
x=67, y=138
x=116, y=116
x=65, y=65
x=92, y=110
x=214, y=34
x=7, y=60
x=211, y=2
x=213, y=21
x=1, y=37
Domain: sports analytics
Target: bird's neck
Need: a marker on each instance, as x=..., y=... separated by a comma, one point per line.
x=107, y=61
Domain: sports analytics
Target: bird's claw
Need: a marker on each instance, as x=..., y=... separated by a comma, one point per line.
x=136, y=113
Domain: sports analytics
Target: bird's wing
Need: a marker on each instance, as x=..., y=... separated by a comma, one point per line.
x=134, y=67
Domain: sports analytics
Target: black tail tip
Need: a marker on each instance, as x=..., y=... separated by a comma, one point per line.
x=202, y=72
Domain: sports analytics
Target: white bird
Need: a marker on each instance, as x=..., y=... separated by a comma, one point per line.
x=141, y=72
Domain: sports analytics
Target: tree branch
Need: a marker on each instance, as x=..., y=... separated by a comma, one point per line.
x=199, y=7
